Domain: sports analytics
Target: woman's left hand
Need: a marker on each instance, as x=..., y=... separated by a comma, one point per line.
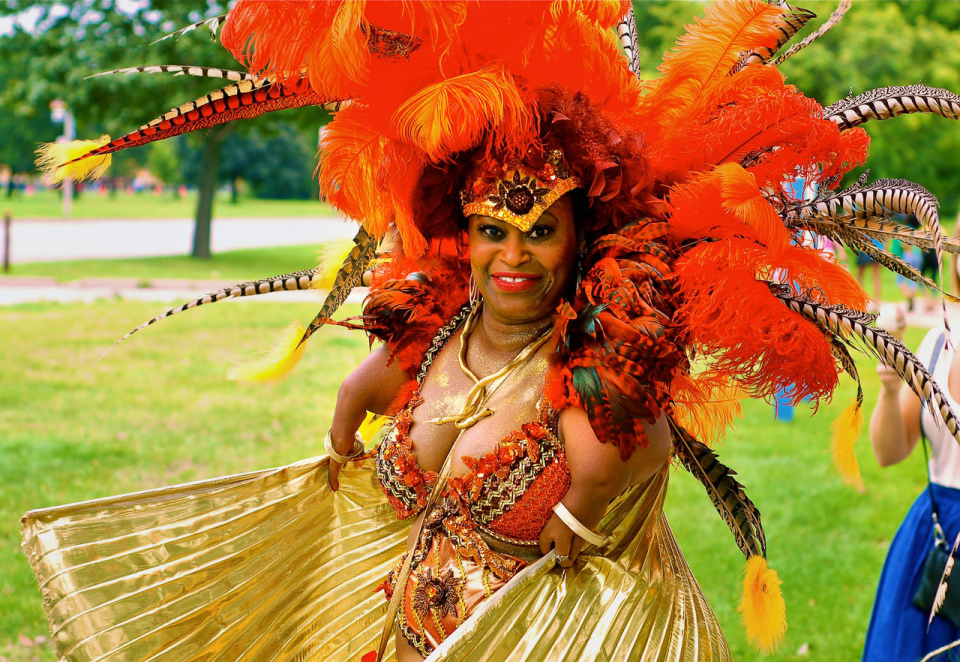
x=557, y=536
x=588, y=507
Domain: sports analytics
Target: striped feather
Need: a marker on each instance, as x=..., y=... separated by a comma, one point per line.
x=241, y=100
x=882, y=198
x=725, y=491
x=790, y=24
x=180, y=70
x=842, y=353
x=346, y=279
x=305, y=279
x=885, y=229
x=886, y=102
x=630, y=41
x=828, y=24
x=941, y=594
x=213, y=24
x=890, y=261
x=852, y=325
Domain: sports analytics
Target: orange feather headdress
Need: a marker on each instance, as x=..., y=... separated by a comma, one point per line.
x=689, y=219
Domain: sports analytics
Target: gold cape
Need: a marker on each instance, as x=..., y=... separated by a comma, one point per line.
x=273, y=565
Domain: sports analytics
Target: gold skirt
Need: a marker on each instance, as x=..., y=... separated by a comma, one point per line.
x=273, y=565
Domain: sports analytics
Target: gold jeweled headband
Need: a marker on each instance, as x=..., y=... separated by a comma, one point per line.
x=521, y=193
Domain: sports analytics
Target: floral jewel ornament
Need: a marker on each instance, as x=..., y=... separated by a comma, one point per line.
x=517, y=192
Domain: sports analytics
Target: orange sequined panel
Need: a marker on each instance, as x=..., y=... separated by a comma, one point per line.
x=511, y=491
x=406, y=485
x=532, y=511
x=453, y=571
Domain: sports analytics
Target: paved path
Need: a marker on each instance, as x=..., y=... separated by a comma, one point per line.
x=54, y=240
x=166, y=292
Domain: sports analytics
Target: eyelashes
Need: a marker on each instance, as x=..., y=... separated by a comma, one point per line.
x=536, y=233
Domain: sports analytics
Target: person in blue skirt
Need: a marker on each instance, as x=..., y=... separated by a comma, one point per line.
x=898, y=629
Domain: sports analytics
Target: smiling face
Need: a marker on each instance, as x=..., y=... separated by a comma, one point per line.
x=523, y=275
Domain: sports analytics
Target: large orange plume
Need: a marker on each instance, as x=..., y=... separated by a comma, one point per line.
x=709, y=49
x=338, y=58
x=351, y=154
x=606, y=13
x=270, y=38
x=768, y=350
x=726, y=202
x=705, y=403
x=453, y=115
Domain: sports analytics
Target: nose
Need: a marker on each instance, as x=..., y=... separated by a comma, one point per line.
x=514, y=250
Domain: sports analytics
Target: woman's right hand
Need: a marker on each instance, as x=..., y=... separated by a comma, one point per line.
x=893, y=320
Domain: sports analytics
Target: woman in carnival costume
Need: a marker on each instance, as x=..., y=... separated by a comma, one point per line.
x=561, y=260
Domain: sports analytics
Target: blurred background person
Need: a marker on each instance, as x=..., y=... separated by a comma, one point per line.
x=898, y=628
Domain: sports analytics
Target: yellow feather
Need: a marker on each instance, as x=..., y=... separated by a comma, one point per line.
x=276, y=364
x=846, y=429
x=763, y=610
x=372, y=425
x=62, y=161
x=331, y=259
x=706, y=404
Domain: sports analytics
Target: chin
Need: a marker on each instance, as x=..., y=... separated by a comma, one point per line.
x=520, y=309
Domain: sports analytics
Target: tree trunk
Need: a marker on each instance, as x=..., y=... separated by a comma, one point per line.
x=209, y=176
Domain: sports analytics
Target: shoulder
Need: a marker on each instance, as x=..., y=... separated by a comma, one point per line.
x=582, y=444
x=927, y=346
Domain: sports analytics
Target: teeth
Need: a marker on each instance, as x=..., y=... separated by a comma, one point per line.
x=511, y=279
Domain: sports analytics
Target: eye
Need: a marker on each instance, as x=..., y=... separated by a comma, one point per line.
x=540, y=231
x=490, y=232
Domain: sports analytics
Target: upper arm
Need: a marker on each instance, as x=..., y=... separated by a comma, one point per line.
x=910, y=410
x=375, y=383
x=599, y=464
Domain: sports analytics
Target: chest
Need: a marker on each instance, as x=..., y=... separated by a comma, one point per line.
x=513, y=400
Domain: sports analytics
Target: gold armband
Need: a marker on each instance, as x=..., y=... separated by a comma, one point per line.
x=355, y=452
x=576, y=526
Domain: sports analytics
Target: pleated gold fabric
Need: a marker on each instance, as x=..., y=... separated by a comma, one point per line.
x=272, y=565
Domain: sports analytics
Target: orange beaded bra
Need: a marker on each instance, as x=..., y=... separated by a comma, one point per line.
x=509, y=493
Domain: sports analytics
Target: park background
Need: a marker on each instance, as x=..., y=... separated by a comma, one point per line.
x=158, y=410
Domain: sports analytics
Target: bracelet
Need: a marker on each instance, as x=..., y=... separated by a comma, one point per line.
x=355, y=452
x=576, y=526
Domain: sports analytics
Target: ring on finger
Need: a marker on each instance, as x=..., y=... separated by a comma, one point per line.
x=562, y=557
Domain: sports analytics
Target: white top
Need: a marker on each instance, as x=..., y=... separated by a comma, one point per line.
x=944, y=449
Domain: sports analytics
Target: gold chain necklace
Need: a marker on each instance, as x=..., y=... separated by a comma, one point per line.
x=473, y=409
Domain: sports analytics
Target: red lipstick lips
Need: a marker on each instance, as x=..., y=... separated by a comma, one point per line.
x=514, y=282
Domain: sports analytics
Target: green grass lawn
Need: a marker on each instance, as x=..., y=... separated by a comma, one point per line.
x=47, y=204
x=158, y=411
x=236, y=265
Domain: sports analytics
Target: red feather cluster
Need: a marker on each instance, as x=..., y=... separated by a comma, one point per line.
x=406, y=313
x=459, y=75
x=617, y=346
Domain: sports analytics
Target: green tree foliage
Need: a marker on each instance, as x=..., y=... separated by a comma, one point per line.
x=73, y=39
